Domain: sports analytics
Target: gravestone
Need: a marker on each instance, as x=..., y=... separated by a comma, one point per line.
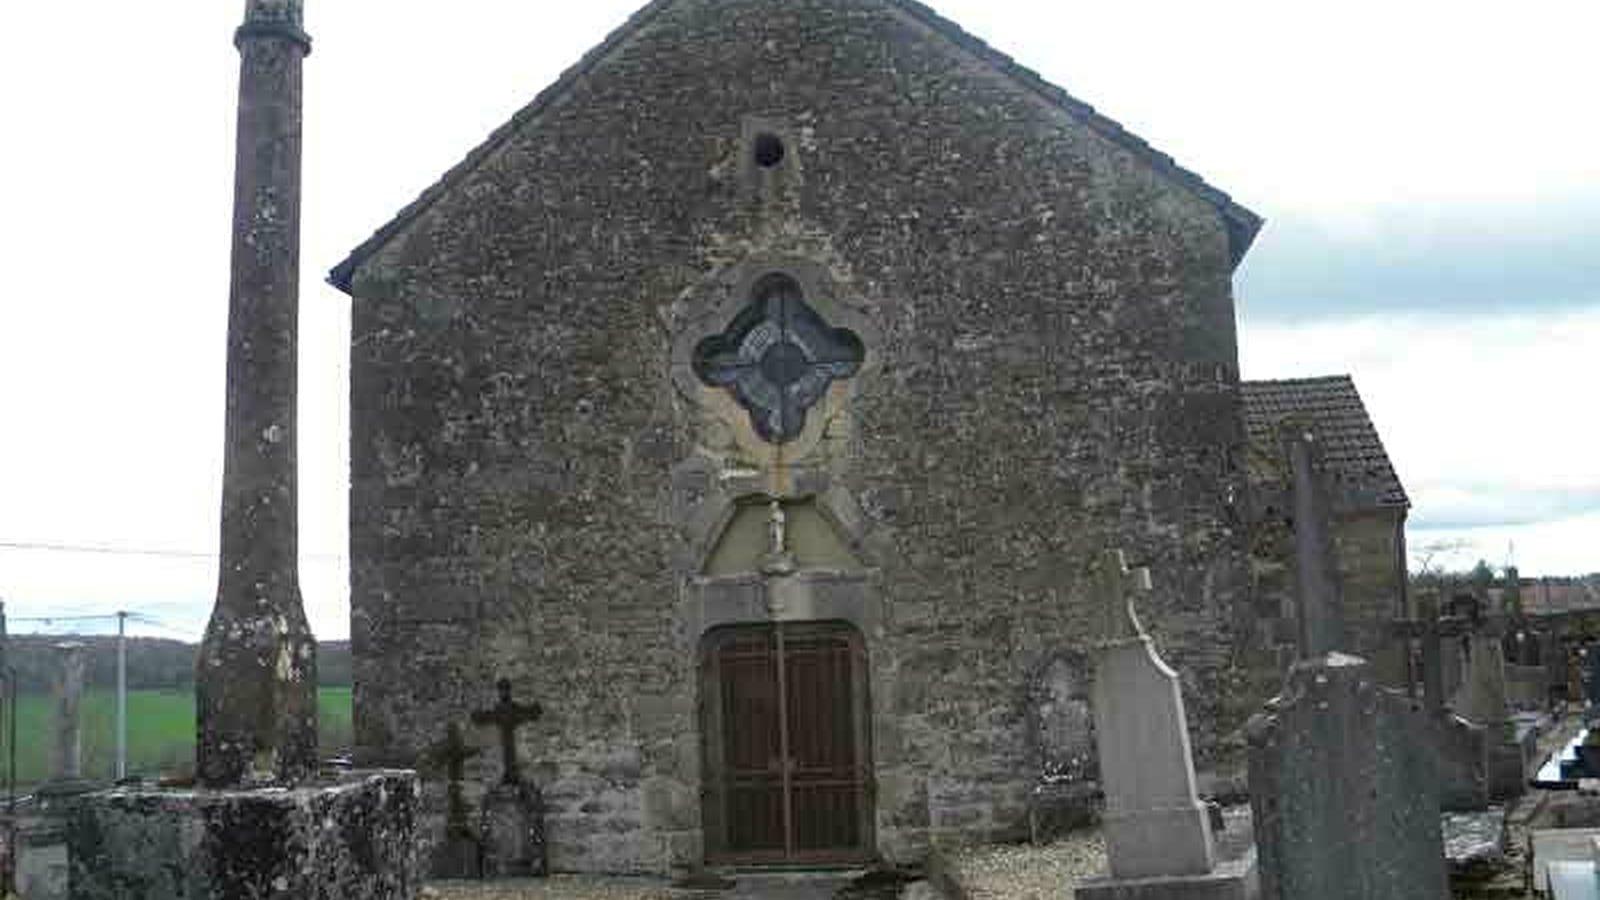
x=1068, y=794
x=461, y=853
x=1462, y=745
x=1591, y=681
x=1155, y=823
x=1485, y=704
x=1344, y=786
x=1344, y=790
x=513, y=810
x=1158, y=833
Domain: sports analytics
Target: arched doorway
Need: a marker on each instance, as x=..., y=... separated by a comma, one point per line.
x=785, y=727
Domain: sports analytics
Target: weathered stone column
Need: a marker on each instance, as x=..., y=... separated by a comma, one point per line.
x=257, y=669
x=1319, y=608
x=68, y=757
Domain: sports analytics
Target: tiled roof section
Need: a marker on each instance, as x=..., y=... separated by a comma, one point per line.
x=1332, y=407
x=1242, y=224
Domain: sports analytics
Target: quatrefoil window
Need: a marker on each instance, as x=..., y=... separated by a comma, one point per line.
x=778, y=357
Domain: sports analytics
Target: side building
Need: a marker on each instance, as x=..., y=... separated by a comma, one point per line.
x=1370, y=508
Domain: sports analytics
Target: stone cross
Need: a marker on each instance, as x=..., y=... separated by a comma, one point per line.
x=69, y=699
x=1430, y=629
x=1486, y=677
x=507, y=715
x=1155, y=824
x=453, y=753
x=1318, y=607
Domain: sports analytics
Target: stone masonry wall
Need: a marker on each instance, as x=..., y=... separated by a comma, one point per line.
x=1053, y=372
x=1372, y=568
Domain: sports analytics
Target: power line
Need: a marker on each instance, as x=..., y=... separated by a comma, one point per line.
x=58, y=618
x=51, y=547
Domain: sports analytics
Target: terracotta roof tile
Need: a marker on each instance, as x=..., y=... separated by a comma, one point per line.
x=1332, y=407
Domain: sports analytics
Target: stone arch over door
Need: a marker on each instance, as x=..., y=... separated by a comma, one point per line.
x=785, y=723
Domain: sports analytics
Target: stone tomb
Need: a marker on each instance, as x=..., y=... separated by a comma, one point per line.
x=345, y=839
x=1462, y=745
x=1484, y=702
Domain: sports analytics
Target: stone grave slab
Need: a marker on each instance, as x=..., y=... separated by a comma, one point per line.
x=1573, y=880
x=1552, y=845
x=1565, y=863
x=1474, y=842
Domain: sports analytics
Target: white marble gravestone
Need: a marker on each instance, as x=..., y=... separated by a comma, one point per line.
x=1155, y=824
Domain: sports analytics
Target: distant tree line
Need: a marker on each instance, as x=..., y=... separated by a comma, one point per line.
x=153, y=663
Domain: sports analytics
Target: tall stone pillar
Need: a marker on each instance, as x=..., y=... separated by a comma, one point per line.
x=256, y=674
x=68, y=758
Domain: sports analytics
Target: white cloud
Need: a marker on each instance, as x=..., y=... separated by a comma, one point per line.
x=120, y=141
x=1488, y=419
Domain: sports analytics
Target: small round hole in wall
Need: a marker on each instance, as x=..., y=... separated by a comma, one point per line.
x=768, y=149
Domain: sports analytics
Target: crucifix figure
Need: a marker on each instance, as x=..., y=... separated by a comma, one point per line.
x=778, y=561
x=507, y=715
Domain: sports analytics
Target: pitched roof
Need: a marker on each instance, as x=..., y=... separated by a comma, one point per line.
x=1332, y=407
x=1242, y=224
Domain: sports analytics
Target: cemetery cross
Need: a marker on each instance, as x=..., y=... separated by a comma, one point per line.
x=507, y=715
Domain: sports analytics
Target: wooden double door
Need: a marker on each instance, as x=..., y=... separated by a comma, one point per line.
x=785, y=725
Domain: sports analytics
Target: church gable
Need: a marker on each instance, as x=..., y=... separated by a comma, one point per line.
x=648, y=23
x=785, y=332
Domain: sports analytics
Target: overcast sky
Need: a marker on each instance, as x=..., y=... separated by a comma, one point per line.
x=1430, y=173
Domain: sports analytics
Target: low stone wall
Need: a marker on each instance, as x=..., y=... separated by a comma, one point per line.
x=353, y=839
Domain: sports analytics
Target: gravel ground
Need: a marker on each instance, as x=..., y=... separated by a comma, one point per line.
x=1027, y=872
x=556, y=887
x=579, y=887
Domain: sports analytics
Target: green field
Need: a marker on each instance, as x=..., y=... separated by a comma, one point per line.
x=160, y=732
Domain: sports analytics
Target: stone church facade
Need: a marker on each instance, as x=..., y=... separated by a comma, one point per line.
x=756, y=400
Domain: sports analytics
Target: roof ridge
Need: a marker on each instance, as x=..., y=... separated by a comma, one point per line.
x=1332, y=406
x=1242, y=224
x=1304, y=379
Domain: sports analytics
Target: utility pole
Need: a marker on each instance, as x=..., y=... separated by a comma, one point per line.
x=8, y=720
x=122, y=694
